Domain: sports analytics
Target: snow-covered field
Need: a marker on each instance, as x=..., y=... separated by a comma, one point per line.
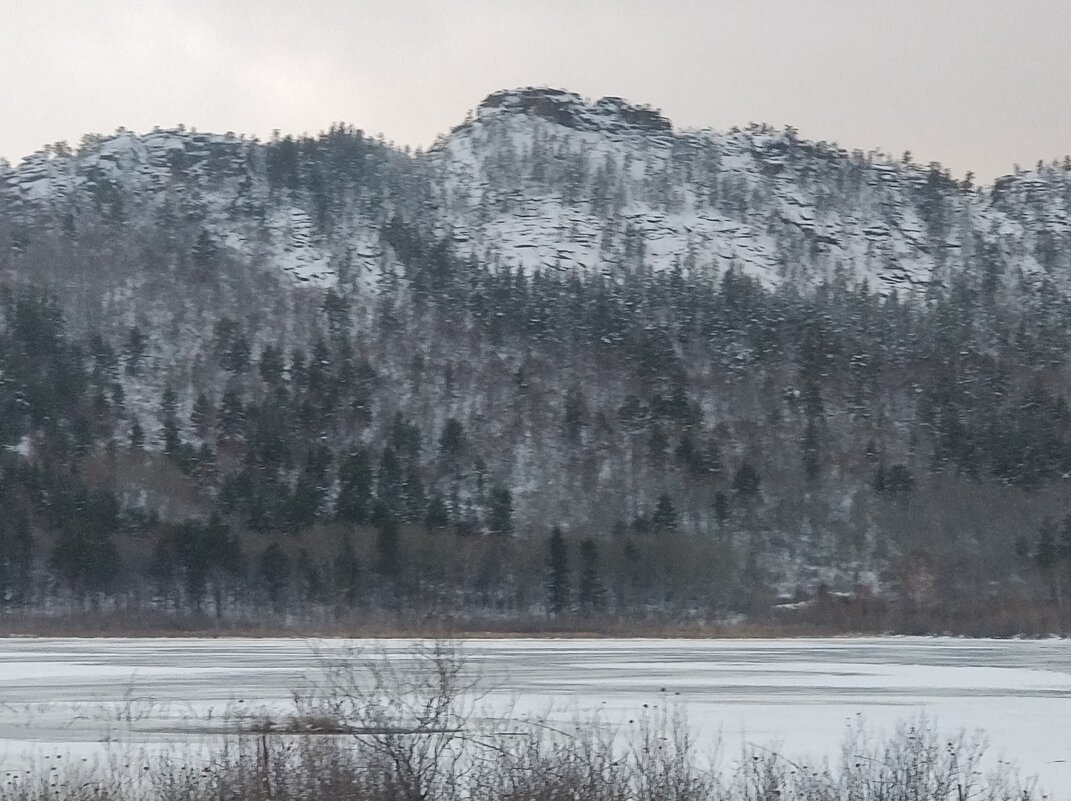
x=68, y=697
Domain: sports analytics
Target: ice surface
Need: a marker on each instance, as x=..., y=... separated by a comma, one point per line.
x=799, y=694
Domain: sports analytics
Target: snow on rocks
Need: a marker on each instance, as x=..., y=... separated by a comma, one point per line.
x=542, y=179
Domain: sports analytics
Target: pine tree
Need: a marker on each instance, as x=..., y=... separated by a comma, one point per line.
x=500, y=516
x=438, y=516
x=232, y=416
x=721, y=507
x=665, y=515
x=135, y=346
x=226, y=562
x=16, y=553
x=237, y=354
x=452, y=440
x=389, y=481
x=319, y=369
x=1047, y=556
x=354, y=501
x=336, y=308
x=169, y=431
x=590, y=593
x=416, y=502
x=310, y=491
x=312, y=578
x=270, y=366
x=898, y=480
x=574, y=415
x=388, y=542
x=811, y=455
x=298, y=371
x=880, y=481
x=205, y=255
x=137, y=435
x=201, y=415
x=274, y=571
x=746, y=481
x=206, y=462
x=557, y=582
x=347, y=571
x=85, y=554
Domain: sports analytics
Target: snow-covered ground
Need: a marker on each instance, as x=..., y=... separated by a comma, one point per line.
x=68, y=696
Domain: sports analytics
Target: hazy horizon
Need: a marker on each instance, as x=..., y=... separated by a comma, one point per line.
x=975, y=85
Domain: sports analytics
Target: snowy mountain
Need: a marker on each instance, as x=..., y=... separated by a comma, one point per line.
x=130, y=175
x=563, y=313
x=542, y=179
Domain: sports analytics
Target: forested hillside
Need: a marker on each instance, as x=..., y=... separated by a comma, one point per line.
x=569, y=365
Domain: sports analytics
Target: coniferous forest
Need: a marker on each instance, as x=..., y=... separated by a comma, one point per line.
x=280, y=383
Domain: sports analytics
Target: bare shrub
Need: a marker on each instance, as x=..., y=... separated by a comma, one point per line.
x=409, y=715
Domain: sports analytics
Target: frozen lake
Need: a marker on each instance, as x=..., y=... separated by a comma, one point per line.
x=70, y=695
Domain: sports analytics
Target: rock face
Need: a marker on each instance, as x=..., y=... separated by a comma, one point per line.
x=541, y=179
x=544, y=180
x=608, y=115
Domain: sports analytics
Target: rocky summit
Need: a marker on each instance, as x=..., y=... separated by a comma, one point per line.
x=541, y=179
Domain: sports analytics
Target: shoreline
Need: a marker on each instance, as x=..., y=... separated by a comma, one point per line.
x=70, y=629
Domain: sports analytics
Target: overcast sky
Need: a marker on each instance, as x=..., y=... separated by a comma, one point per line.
x=976, y=84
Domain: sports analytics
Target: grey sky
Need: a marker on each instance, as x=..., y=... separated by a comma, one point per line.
x=975, y=84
